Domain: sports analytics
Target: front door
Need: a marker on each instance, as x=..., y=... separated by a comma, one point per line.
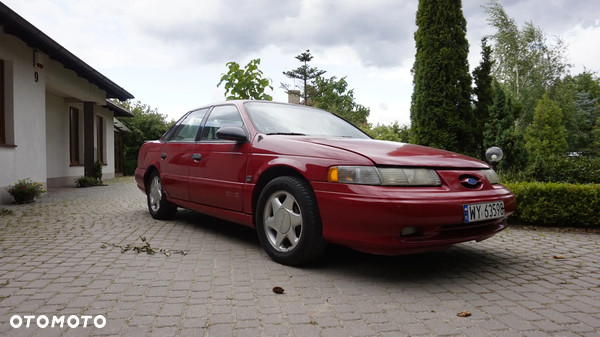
x=217, y=176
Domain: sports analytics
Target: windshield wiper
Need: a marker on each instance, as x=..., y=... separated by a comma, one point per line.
x=286, y=133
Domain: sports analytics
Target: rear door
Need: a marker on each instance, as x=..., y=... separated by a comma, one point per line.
x=176, y=155
x=217, y=176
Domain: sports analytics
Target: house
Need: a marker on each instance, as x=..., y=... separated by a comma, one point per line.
x=56, y=118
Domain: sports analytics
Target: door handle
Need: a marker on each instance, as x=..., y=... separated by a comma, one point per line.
x=163, y=155
x=196, y=157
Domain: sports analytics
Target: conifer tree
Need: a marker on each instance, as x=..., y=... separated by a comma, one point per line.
x=501, y=130
x=546, y=136
x=482, y=75
x=304, y=73
x=441, y=113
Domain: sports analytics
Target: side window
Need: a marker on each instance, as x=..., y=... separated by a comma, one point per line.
x=225, y=115
x=188, y=128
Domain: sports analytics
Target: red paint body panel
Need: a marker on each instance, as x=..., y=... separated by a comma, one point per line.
x=371, y=218
x=400, y=154
x=218, y=178
x=175, y=169
x=366, y=218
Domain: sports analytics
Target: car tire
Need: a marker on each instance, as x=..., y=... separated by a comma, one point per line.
x=288, y=221
x=158, y=205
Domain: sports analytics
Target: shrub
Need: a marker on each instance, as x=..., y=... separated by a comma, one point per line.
x=86, y=182
x=557, y=204
x=26, y=187
x=558, y=169
x=97, y=173
x=576, y=170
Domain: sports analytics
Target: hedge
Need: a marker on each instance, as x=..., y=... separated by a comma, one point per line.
x=557, y=204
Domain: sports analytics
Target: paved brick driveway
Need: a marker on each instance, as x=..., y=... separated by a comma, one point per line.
x=52, y=264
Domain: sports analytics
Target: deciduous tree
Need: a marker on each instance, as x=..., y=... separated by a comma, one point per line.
x=393, y=132
x=525, y=63
x=247, y=83
x=147, y=124
x=333, y=95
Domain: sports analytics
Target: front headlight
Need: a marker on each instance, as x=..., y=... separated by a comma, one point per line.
x=370, y=175
x=491, y=176
x=409, y=177
x=365, y=175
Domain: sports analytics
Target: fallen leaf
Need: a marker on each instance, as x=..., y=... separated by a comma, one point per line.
x=464, y=314
x=278, y=290
x=559, y=257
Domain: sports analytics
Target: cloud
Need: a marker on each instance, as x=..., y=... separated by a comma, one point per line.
x=170, y=54
x=380, y=32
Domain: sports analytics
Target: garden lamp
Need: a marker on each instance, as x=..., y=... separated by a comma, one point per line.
x=494, y=155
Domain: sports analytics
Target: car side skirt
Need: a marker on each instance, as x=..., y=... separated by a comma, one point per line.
x=232, y=216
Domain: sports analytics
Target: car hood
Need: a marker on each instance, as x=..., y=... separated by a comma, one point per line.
x=400, y=154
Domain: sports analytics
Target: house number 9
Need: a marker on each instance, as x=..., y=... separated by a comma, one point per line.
x=36, y=76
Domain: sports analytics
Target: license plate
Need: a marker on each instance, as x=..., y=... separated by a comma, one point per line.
x=483, y=211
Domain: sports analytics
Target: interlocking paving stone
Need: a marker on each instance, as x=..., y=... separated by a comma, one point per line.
x=53, y=263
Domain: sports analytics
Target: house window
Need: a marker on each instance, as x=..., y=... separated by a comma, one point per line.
x=74, y=135
x=2, y=106
x=100, y=139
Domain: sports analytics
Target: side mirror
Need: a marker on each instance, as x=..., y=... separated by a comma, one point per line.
x=234, y=133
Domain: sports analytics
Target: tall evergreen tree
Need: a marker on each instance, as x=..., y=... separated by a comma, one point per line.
x=595, y=146
x=306, y=74
x=546, y=136
x=441, y=113
x=579, y=113
x=501, y=131
x=482, y=75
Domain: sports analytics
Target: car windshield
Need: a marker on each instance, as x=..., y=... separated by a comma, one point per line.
x=300, y=120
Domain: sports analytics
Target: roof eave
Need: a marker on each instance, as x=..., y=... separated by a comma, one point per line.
x=16, y=25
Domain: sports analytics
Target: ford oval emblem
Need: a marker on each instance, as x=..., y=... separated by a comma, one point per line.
x=471, y=181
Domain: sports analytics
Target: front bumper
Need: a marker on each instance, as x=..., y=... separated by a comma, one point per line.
x=371, y=218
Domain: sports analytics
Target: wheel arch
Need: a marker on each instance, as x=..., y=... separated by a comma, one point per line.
x=148, y=173
x=266, y=176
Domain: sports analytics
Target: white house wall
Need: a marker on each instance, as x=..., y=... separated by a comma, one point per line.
x=25, y=117
x=60, y=171
x=37, y=118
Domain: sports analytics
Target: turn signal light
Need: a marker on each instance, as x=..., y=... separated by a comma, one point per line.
x=332, y=174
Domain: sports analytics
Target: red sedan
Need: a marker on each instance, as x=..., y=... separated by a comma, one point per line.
x=304, y=177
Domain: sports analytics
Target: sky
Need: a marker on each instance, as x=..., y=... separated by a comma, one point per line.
x=171, y=54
